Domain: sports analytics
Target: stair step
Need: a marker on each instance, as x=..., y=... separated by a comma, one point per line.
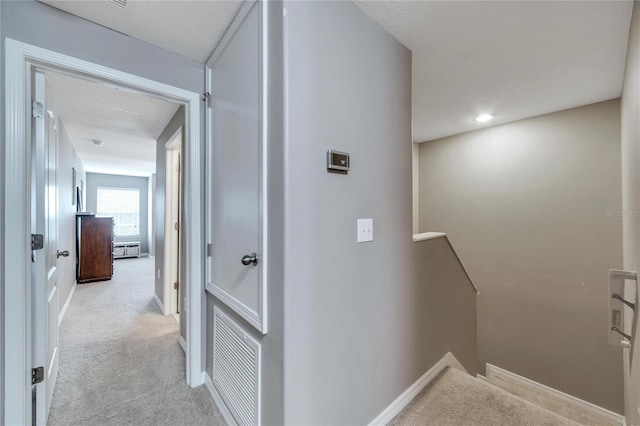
x=549, y=402
x=455, y=398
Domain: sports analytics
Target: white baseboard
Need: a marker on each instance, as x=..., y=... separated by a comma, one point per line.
x=183, y=344
x=67, y=303
x=492, y=370
x=226, y=414
x=157, y=299
x=449, y=360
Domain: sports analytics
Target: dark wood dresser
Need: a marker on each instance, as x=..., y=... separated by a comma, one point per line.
x=94, y=240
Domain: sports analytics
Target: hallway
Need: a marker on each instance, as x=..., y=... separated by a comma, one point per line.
x=120, y=361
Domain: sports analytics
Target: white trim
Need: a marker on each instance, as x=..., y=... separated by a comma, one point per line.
x=171, y=247
x=17, y=321
x=18, y=60
x=448, y=360
x=581, y=404
x=453, y=362
x=159, y=303
x=231, y=31
x=428, y=236
x=183, y=344
x=238, y=307
x=63, y=311
x=217, y=399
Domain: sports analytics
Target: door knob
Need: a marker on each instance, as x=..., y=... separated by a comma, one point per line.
x=248, y=259
x=62, y=253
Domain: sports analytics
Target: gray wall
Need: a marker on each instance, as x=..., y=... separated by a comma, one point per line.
x=44, y=26
x=1, y=218
x=67, y=159
x=361, y=320
x=174, y=124
x=99, y=180
x=525, y=205
x=272, y=344
x=41, y=25
x=630, y=111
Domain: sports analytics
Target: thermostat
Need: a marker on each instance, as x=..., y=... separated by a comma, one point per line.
x=337, y=160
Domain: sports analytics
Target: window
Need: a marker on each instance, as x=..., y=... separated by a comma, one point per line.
x=123, y=205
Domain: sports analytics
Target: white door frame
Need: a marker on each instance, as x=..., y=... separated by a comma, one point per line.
x=171, y=245
x=19, y=57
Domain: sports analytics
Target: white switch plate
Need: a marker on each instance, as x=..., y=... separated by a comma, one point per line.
x=365, y=230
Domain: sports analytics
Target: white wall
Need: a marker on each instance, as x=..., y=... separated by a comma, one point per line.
x=67, y=159
x=631, y=197
x=525, y=205
x=362, y=321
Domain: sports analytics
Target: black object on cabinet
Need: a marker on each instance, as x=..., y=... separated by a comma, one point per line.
x=94, y=248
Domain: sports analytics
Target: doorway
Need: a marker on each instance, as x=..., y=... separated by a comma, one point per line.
x=20, y=334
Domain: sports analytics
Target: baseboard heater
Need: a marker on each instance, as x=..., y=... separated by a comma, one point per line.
x=236, y=369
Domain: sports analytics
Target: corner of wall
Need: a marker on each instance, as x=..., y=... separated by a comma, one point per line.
x=2, y=189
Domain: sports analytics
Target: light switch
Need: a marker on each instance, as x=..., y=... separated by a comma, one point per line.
x=365, y=230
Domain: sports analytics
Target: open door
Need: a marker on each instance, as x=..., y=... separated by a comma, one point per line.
x=45, y=253
x=173, y=201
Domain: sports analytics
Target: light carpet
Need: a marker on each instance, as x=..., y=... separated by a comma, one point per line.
x=120, y=361
x=550, y=402
x=455, y=398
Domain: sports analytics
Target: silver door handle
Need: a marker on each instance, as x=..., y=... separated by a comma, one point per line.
x=248, y=259
x=62, y=253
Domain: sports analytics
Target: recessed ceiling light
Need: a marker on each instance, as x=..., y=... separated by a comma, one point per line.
x=482, y=118
x=96, y=142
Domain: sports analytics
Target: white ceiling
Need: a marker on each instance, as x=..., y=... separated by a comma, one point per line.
x=186, y=27
x=128, y=124
x=511, y=59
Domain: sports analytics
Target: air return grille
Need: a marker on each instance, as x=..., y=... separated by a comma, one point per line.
x=121, y=3
x=236, y=368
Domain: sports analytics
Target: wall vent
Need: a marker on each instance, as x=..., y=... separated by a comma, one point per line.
x=121, y=3
x=236, y=368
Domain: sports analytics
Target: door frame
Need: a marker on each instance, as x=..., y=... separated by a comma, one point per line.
x=172, y=249
x=19, y=59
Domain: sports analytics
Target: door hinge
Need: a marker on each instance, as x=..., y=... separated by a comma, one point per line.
x=37, y=109
x=37, y=241
x=176, y=226
x=206, y=97
x=176, y=285
x=209, y=249
x=37, y=375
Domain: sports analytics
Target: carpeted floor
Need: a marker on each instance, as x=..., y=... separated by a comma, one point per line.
x=455, y=398
x=120, y=361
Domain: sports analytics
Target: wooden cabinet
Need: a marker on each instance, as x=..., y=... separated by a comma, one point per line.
x=94, y=248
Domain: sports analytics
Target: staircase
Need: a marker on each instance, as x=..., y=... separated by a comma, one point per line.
x=455, y=398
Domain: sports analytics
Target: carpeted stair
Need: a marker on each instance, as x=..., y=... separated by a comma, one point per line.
x=455, y=398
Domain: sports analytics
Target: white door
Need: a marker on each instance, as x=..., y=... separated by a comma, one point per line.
x=172, y=226
x=235, y=166
x=44, y=266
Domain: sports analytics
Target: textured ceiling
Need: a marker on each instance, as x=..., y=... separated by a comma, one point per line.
x=128, y=124
x=512, y=59
x=186, y=27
